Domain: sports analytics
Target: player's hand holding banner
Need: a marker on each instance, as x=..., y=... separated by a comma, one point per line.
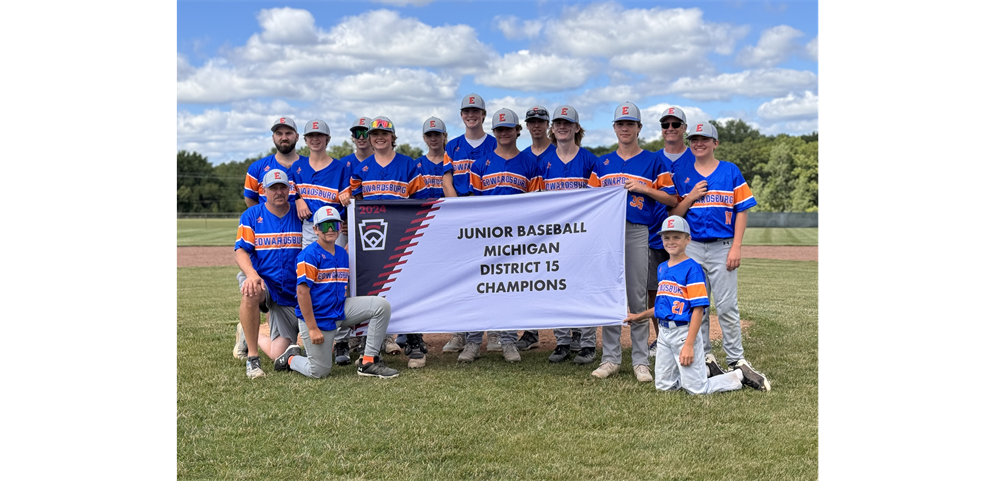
x=534, y=261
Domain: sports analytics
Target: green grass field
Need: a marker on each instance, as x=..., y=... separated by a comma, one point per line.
x=493, y=420
x=221, y=232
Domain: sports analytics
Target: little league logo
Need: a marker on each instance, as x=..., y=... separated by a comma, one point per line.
x=374, y=234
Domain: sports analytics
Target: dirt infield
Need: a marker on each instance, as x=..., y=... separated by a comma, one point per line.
x=224, y=256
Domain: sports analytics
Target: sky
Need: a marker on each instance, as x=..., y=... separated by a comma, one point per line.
x=241, y=65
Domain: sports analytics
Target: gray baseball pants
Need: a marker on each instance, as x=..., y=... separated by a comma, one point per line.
x=670, y=374
x=636, y=270
x=722, y=288
x=320, y=357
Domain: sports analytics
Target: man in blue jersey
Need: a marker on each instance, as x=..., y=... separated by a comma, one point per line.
x=285, y=139
x=269, y=239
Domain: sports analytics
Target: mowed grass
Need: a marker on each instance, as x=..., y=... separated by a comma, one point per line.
x=494, y=420
x=221, y=232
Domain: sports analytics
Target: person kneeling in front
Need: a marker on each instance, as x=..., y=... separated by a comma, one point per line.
x=323, y=309
x=680, y=301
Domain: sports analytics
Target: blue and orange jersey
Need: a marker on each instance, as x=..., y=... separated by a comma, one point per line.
x=679, y=290
x=575, y=174
x=495, y=175
x=460, y=156
x=661, y=211
x=327, y=275
x=713, y=216
x=254, y=178
x=350, y=162
x=645, y=167
x=400, y=179
x=272, y=244
x=320, y=188
x=432, y=175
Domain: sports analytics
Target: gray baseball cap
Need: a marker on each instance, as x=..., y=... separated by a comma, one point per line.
x=704, y=129
x=382, y=123
x=361, y=123
x=316, y=127
x=674, y=112
x=566, y=112
x=627, y=111
x=473, y=101
x=675, y=223
x=326, y=213
x=275, y=176
x=289, y=122
x=433, y=124
x=537, y=112
x=504, y=118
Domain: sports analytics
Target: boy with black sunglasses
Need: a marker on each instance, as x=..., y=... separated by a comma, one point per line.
x=323, y=309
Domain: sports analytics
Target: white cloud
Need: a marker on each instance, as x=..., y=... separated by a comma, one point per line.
x=775, y=46
x=527, y=71
x=749, y=83
x=515, y=29
x=790, y=107
x=283, y=62
x=287, y=26
x=183, y=67
x=800, y=127
x=395, y=86
x=606, y=97
x=649, y=41
x=812, y=49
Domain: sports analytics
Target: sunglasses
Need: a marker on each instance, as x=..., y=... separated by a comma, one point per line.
x=332, y=225
x=671, y=125
x=382, y=124
x=537, y=113
x=360, y=134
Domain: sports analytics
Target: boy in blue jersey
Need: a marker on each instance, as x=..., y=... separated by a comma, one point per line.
x=323, y=309
x=673, y=125
x=714, y=200
x=646, y=177
x=269, y=239
x=318, y=179
x=431, y=164
x=680, y=301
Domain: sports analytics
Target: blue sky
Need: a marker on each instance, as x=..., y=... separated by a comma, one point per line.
x=242, y=64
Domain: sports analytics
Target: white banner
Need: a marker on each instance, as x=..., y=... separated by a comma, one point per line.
x=529, y=261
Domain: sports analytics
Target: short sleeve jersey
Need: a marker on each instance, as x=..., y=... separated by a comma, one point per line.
x=432, y=175
x=645, y=167
x=680, y=289
x=327, y=276
x=272, y=244
x=661, y=211
x=495, y=175
x=320, y=188
x=575, y=174
x=399, y=179
x=460, y=156
x=254, y=178
x=350, y=162
x=713, y=216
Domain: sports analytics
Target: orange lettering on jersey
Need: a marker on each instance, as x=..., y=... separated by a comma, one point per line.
x=677, y=308
x=606, y=161
x=637, y=202
x=728, y=218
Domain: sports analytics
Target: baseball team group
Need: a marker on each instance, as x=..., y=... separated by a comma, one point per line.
x=685, y=216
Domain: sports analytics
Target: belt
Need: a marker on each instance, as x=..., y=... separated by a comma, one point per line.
x=671, y=324
x=713, y=239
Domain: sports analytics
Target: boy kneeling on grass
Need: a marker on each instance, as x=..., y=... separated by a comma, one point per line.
x=323, y=309
x=680, y=302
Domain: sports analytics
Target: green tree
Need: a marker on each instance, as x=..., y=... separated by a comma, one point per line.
x=413, y=152
x=773, y=192
x=735, y=131
x=193, y=174
x=805, y=196
x=602, y=150
x=341, y=150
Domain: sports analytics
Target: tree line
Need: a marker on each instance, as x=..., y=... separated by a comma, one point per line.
x=782, y=170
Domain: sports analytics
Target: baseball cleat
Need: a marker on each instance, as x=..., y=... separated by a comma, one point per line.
x=642, y=373
x=575, y=341
x=714, y=369
x=470, y=352
x=377, y=369
x=493, y=342
x=606, y=369
x=511, y=352
x=561, y=352
x=456, y=344
x=527, y=341
x=391, y=347
x=652, y=349
x=282, y=363
x=253, y=368
x=415, y=350
x=752, y=377
x=341, y=351
x=585, y=356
